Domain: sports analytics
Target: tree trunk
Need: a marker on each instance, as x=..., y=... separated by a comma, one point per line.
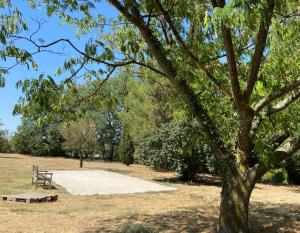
x=112, y=151
x=103, y=149
x=81, y=160
x=234, y=205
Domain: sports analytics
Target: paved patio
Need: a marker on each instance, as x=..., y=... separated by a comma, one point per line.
x=92, y=182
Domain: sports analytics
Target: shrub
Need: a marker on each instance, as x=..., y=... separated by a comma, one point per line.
x=292, y=166
x=275, y=176
x=135, y=228
x=176, y=146
x=37, y=140
x=126, y=148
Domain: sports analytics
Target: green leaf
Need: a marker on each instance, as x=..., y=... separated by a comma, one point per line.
x=260, y=88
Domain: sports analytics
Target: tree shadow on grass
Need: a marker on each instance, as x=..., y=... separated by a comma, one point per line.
x=162, y=170
x=10, y=157
x=296, y=191
x=264, y=218
x=185, y=220
x=273, y=218
x=204, y=179
x=295, y=188
x=114, y=170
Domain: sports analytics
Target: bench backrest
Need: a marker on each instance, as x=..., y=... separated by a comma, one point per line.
x=35, y=170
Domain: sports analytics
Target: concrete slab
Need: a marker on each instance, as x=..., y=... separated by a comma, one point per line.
x=92, y=182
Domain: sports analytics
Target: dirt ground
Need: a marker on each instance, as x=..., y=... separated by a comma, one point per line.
x=193, y=208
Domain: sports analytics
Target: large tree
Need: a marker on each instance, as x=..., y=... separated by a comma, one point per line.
x=234, y=63
x=80, y=138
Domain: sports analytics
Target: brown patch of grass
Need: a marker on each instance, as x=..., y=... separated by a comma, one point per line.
x=193, y=208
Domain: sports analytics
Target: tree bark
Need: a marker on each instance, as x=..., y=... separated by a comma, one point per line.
x=81, y=160
x=234, y=206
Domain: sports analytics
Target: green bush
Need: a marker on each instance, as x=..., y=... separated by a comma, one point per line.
x=275, y=176
x=126, y=148
x=135, y=228
x=292, y=166
x=32, y=139
x=177, y=146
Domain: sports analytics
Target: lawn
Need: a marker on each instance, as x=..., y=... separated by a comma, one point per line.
x=193, y=208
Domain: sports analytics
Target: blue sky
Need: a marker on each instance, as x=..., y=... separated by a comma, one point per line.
x=48, y=63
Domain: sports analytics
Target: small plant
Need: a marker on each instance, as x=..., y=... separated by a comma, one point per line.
x=135, y=228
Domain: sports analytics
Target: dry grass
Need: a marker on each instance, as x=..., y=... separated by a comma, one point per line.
x=193, y=208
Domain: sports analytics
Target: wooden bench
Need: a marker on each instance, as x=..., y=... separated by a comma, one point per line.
x=40, y=176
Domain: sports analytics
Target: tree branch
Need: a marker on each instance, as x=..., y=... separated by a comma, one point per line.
x=176, y=33
x=19, y=62
x=165, y=31
x=149, y=67
x=99, y=87
x=73, y=75
x=276, y=94
x=285, y=102
x=277, y=108
x=230, y=54
x=224, y=55
x=260, y=45
x=189, y=53
x=277, y=140
x=87, y=56
x=94, y=93
x=285, y=150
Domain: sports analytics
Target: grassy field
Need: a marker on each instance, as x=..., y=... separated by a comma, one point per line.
x=193, y=208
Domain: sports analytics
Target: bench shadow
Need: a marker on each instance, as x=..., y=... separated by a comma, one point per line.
x=51, y=188
x=46, y=187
